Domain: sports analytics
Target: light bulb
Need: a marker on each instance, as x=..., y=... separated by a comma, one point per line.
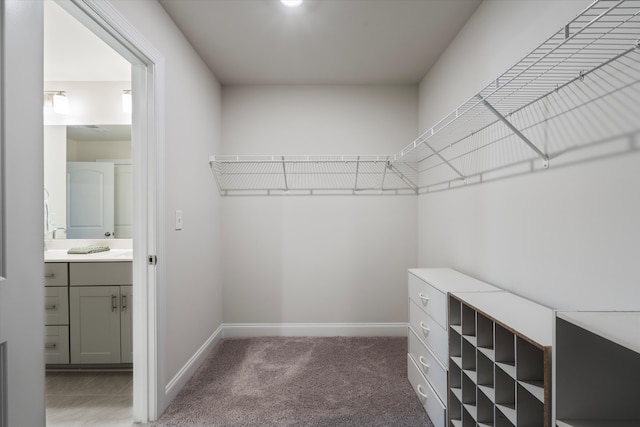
x=291, y=3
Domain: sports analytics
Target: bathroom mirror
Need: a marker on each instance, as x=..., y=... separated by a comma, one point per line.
x=88, y=182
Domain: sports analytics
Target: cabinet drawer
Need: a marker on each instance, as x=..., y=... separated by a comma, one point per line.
x=428, y=298
x=55, y=274
x=430, y=401
x=100, y=273
x=429, y=332
x=56, y=344
x=56, y=305
x=429, y=366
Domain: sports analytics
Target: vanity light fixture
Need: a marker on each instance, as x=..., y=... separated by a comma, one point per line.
x=126, y=101
x=58, y=100
x=291, y=3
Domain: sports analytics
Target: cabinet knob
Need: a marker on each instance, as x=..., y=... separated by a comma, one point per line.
x=50, y=345
x=107, y=234
x=423, y=362
x=50, y=307
x=424, y=328
x=423, y=297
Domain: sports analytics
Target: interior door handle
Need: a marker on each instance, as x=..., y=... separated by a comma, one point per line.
x=107, y=234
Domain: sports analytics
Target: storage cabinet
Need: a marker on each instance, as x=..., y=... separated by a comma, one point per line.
x=88, y=313
x=597, y=369
x=100, y=312
x=499, y=360
x=427, y=360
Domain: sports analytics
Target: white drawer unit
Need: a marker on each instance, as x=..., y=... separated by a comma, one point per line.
x=428, y=356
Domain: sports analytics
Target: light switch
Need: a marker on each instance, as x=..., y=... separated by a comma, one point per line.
x=178, y=220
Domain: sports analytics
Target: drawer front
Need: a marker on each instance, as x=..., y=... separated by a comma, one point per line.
x=429, y=366
x=100, y=273
x=56, y=305
x=429, y=332
x=55, y=274
x=430, y=401
x=56, y=344
x=428, y=298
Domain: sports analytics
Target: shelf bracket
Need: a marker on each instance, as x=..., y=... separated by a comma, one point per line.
x=437, y=153
x=515, y=130
x=384, y=173
x=284, y=174
x=403, y=178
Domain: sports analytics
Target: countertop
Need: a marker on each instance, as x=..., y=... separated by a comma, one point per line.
x=56, y=250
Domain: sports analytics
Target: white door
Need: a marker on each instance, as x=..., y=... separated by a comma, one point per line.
x=123, y=217
x=90, y=196
x=21, y=213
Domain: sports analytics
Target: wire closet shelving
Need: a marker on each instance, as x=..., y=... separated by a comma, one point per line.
x=577, y=90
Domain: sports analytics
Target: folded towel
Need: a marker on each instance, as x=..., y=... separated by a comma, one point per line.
x=92, y=249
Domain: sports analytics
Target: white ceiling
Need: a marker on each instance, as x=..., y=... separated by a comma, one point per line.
x=263, y=42
x=73, y=53
x=321, y=42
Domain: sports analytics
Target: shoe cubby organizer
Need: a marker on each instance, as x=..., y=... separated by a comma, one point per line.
x=499, y=367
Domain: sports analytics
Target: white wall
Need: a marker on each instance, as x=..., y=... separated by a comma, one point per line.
x=566, y=237
x=193, y=309
x=308, y=259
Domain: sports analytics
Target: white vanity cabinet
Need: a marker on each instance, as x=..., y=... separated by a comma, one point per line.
x=56, y=309
x=427, y=360
x=100, y=312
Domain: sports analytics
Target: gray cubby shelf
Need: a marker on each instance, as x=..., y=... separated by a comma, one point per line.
x=501, y=349
x=597, y=369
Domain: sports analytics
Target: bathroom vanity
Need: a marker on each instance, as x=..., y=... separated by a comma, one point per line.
x=88, y=308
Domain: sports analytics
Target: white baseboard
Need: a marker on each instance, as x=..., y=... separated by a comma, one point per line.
x=245, y=330
x=187, y=371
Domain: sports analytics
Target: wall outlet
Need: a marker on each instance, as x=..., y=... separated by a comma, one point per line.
x=178, y=220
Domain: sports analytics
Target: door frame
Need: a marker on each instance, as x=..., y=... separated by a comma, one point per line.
x=148, y=71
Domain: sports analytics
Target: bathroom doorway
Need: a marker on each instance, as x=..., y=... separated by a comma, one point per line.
x=122, y=96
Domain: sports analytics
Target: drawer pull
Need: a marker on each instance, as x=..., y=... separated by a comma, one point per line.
x=124, y=303
x=49, y=276
x=424, y=328
x=51, y=345
x=423, y=362
x=420, y=392
x=114, y=302
x=50, y=307
x=423, y=297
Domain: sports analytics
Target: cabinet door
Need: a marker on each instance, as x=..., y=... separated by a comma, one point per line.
x=95, y=324
x=56, y=305
x=126, y=337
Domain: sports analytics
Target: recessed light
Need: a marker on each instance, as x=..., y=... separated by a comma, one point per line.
x=291, y=3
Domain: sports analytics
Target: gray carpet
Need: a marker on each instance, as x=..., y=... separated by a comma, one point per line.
x=293, y=381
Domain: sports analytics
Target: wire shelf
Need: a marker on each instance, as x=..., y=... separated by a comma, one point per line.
x=579, y=88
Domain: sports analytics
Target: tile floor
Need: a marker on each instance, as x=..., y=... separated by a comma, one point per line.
x=89, y=399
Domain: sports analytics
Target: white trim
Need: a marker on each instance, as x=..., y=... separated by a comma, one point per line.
x=245, y=330
x=148, y=73
x=187, y=371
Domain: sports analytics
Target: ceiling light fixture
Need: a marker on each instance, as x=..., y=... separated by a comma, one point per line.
x=291, y=3
x=58, y=101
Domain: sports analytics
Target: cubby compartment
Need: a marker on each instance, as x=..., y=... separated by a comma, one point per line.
x=502, y=420
x=485, y=410
x=455, y=408
x=455, y=377
x=455, y=346
x=505, y=388
x=530, y=409
x=505, y=350
x=530, y=368
x=484, y=334
x=468, y=420
x=455, y=314
x=485, y=376
x=468, y=391
x=469, y=358
x=469, y=324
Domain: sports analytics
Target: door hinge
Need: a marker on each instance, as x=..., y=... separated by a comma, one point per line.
x=152, y=260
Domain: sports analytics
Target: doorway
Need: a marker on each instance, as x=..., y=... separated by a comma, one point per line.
x=103, y=21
